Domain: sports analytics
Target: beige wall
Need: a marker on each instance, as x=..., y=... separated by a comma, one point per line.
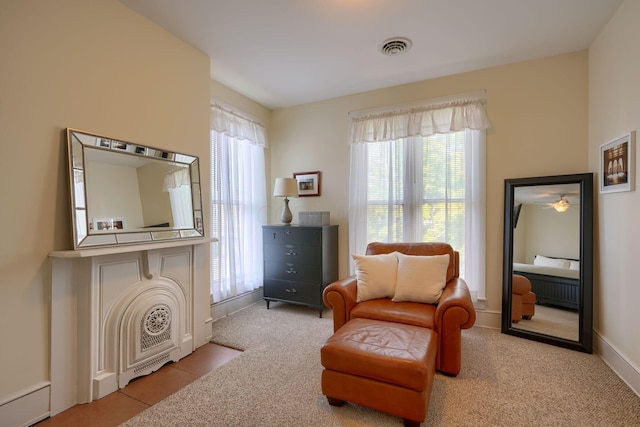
x=539, y=114
x=92, y=65
x=614, y=109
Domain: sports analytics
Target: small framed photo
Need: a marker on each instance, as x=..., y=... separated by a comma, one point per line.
x=617, y=164
x=308, y=183
x=102, y=224
x=118, y=224
x=117, y=145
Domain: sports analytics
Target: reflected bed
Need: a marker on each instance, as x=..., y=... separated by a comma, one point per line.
x=552, y=285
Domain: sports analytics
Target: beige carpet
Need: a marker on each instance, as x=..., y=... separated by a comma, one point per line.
x=505, y=381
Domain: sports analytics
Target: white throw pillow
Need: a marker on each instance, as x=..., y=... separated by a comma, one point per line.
x=376, y=276
x=421, y=278
x=544, y=261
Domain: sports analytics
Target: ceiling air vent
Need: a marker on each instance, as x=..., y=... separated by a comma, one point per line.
x=395, y=46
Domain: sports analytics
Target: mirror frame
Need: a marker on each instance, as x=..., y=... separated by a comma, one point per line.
x=77, y=142
x=585, y=310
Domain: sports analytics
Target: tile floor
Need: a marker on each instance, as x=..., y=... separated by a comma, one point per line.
x=143, y=392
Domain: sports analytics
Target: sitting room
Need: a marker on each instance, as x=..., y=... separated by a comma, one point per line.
x=328, y=132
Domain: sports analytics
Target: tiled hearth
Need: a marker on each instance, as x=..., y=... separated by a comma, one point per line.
x=141, y=393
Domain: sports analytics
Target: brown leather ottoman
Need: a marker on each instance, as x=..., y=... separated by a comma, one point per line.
x=382, y=365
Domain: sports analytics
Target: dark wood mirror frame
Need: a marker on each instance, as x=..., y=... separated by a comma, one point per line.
x=585, y=310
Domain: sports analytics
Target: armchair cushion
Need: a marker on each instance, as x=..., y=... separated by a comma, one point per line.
x=376, y=276
x=421, y=278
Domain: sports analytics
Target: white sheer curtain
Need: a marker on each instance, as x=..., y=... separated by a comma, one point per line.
x=181, y=208
x=417, y=173
x=238, y=203
x=178, y=184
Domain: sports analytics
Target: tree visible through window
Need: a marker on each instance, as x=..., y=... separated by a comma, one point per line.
x=416, y=190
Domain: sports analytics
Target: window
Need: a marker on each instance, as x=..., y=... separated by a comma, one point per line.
x=416, y=189
x=413, y=182
x=238, y=203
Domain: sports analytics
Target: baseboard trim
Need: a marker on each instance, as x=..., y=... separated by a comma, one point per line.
x=617, y=361
x=26, y=407
x=224, y=308
x=488, y=319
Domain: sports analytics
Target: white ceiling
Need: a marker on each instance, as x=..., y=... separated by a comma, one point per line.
x=288, y=52
x=547, y=194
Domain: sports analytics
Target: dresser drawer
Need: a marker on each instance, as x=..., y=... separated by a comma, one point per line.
x=292, y=291
x=293, y=253
x=295, y=272
x=292, y=235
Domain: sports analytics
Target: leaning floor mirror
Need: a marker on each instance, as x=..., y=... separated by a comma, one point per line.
x=125, y=193
x=548, y=260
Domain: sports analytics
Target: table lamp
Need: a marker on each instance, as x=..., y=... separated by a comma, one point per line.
x=285, y=187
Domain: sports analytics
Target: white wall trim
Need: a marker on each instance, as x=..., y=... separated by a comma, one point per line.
x=617, y=361
x=231, y=305
x=26, y=407
x=488, y=319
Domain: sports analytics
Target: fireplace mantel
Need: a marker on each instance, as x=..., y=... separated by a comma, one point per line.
x=99, y=302
x=87, y=253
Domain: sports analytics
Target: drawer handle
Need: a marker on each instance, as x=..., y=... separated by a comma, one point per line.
x=291, y=271
x=290, y=252
x=291, y=291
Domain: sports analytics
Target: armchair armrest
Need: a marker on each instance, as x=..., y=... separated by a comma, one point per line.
x=455, y=295
x=340, y=296
x=454, y=312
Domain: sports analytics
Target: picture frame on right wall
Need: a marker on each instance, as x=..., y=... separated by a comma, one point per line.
x=617, y=164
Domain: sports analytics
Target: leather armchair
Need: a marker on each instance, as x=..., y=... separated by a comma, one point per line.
x=453, y=312
x=522, y=299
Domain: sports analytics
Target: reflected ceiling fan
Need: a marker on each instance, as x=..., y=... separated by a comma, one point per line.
x=558, y=197
x=560, y=205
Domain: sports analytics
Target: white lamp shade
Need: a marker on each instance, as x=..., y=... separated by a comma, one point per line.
x=285, y=187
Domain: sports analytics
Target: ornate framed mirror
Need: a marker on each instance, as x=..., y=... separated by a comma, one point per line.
x=548, y=260
x=125, y=193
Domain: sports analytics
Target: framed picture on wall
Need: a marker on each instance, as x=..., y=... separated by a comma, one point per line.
x=616, y=170
x=308, y=183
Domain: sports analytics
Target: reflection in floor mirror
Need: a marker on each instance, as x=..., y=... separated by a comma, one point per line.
x=548, y=320
x=548, y=244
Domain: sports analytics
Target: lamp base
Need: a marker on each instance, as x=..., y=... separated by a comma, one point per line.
x=286, y=216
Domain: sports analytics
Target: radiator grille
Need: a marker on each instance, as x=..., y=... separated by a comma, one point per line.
x=155, y=326
x=149, y=363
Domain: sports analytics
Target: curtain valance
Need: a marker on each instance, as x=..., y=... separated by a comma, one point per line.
x=176, y=179
x=419, y=120
x=235, y=125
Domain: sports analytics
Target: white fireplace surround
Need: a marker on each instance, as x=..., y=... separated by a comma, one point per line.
x=117, y=314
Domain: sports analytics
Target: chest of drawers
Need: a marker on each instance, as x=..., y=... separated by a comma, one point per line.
x=299, y=262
